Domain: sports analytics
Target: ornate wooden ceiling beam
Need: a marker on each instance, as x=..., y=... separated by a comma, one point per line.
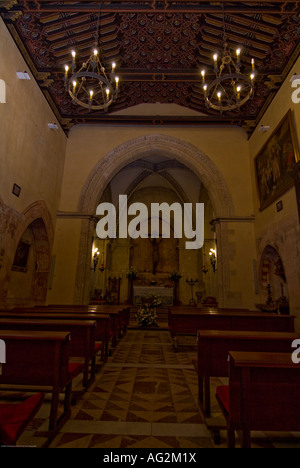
x=76, y=22
x=239, y=33
x=163, y=76
x=155, y=6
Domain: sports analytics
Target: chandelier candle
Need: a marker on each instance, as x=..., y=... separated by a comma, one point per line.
x=138, y=225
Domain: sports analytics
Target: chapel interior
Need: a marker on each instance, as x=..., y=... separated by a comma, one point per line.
x=156, y=141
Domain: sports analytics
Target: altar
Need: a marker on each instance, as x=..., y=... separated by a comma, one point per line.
x=165, y=294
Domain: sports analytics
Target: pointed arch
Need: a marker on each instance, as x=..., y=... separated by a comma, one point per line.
x=37, y=220
x=138, y=148
x=174, y=148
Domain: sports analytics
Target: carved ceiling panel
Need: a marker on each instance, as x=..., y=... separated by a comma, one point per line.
x=160, y=48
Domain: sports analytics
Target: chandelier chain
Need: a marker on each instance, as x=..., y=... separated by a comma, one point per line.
x=230, y=89
x=91, y=86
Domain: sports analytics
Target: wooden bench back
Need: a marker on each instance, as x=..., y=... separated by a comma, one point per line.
x=82, y=331
x=36, y=358
x=264, y=391
x=191, y=322
x=214, y=346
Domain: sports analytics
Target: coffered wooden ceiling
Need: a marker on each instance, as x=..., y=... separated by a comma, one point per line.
x=160, y=47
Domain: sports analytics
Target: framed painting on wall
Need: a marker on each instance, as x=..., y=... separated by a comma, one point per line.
x=21, y=257
x=274, y=164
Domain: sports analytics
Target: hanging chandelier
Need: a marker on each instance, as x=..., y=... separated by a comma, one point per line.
x=91, y=86
x=230, y=89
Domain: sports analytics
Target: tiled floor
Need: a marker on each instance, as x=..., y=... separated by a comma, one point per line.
x=145, y=396
x=144, y=392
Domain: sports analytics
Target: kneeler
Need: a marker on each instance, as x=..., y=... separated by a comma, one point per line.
x=222, y=397
x=14, y=418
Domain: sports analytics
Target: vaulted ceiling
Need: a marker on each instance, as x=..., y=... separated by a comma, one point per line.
x=160, y=47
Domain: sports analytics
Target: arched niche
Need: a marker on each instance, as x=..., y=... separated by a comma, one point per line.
x=128, y=153
x=26, y=251
x=272, y=277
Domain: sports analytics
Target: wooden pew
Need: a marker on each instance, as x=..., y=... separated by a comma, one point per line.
x=122, y=311
x=214, y=346
x=82, y=342
x=189, y=322
x=39, y=360
x=184, y=309
x=114, y=318
x=102, y=322
x=115, y=315
x=262, y=395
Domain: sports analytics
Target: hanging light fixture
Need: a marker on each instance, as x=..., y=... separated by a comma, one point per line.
x=91, y=86
x=230, y=89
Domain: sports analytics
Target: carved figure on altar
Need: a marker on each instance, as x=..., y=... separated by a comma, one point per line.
x=155, y=253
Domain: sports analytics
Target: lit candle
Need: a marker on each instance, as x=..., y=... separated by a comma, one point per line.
x=205, y=88
x=238, y=88
x=203, y=75
x=117, y=81
x=216, y=62
x=113, y=66
x=73, y=55
x=95, y=52
x=253, y=64
x=107, y=93
x=91, y=94
x=74, y=86
x=238, y=53
x=66, y=70
x=219, y=95
x=252, y=76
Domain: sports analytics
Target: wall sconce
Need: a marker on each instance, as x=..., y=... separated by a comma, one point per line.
x=213, y=258
x=2, y=92
x=96, y=258
x=23, y=75
x=53, y=126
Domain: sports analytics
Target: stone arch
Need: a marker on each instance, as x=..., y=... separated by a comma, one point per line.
x=35, y=219
x=171, y=147
x=125, y=154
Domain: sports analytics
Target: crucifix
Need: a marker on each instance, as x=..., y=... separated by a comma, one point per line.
x=155, y=252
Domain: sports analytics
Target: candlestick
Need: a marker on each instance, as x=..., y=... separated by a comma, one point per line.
x=192, y=282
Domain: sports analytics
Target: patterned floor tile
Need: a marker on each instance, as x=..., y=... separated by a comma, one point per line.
x=144, y=396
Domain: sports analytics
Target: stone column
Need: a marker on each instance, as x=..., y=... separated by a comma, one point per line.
x=297, y=185
x=235, y=254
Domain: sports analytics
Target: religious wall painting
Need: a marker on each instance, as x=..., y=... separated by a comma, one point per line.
x=21, y=257
x=275, y=163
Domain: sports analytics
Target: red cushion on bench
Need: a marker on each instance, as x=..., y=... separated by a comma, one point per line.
x=75, y=368
x=97, y=347
x=15, y=417
x=223, y=394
